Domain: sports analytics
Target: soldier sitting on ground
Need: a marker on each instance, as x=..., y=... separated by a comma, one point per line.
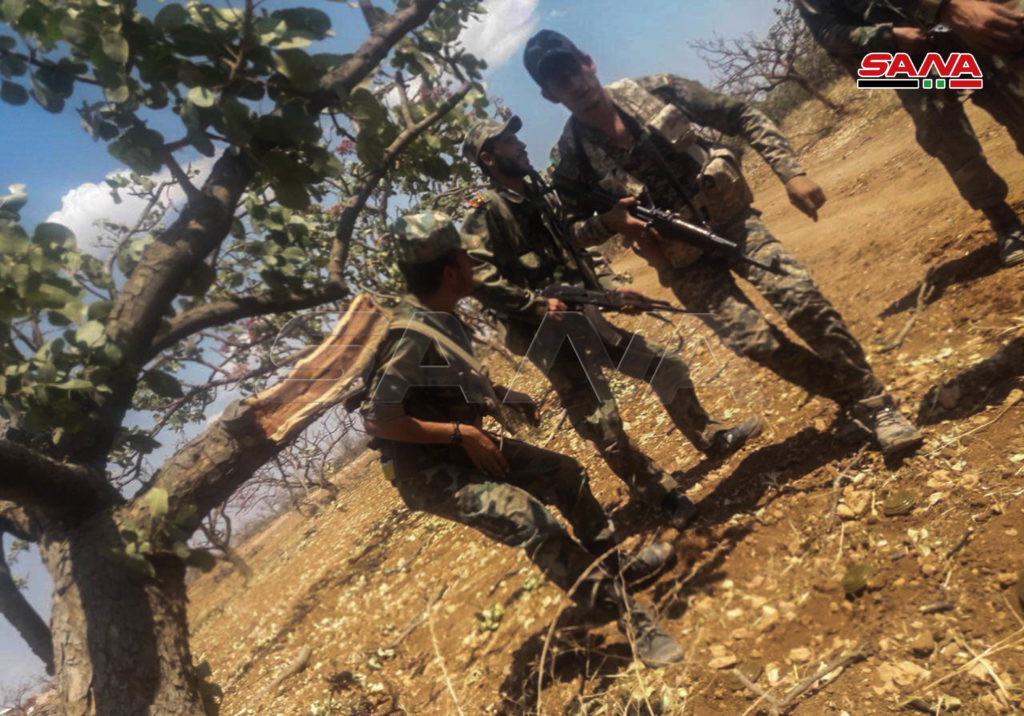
x=849, y=29
x=522, y=245
x=425, y=404
x=637, y=139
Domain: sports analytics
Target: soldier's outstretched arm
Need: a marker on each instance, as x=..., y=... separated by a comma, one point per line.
x=841, y=34
x=729, y=115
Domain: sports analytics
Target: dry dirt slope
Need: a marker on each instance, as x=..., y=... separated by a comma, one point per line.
x=389, y=612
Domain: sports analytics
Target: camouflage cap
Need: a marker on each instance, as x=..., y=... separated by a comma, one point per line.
x=546, y=48
x=484, y=131
x=420, y=238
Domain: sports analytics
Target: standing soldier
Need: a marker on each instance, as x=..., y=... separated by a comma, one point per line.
x=426, y=399
x=522, y=245
x=636, y=138
x=849, y=29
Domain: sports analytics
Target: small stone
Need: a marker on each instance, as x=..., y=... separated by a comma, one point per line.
x=718, y=650
x=723, y=662
x=923, y=644
x=979, y=673
x=800, y=655
x=844, y=512
x=1006, y=579
x=859, y=501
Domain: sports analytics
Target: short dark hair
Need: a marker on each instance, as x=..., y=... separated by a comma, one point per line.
x=425, y=278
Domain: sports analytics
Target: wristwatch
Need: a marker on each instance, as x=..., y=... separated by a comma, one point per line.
x=456, y=435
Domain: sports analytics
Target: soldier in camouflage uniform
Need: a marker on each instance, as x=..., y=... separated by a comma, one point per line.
x=521, y=245
x=849, y=29
x=637, y=139
x=425, y=401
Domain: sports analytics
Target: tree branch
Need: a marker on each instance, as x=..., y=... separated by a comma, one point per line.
x=33, y=479
x=355, y=204
x=22, y=616
x=221, y=312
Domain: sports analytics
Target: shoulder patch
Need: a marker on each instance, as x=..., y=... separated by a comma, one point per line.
x=477, y=198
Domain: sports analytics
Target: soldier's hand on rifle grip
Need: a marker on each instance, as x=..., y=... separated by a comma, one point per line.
x=555, y=307
x=483, y=451
x=636, y=296
x=805, y=195
x=912, y=39
x=987, y=27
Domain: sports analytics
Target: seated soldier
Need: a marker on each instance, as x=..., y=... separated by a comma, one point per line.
x=425, y=403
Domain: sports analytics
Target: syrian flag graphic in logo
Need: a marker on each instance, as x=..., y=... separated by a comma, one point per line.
x=888, y=70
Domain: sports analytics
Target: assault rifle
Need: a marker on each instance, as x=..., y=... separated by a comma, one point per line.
x=670, y=226
x=607, y=300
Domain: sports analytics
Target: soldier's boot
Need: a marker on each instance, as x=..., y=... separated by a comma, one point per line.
x=651, y=643
x=643, y=566
x=1011, y=246
x=725, y=442
x=893, y=432
x=678, y=508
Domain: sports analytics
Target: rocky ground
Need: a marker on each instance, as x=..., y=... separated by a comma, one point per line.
x=818, y=579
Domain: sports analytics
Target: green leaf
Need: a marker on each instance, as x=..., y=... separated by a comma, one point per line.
x=11, y=66
x=13, y=10
x=46, y=99
x=299, y=67
x=49, y=296
x=202, y=97
x=114, y=46
x=50, y=232
x=12, y=93
x=163, y=384
x=305, y=20
x=91, y=334
x=199, y=281
x=75, y=384
x=156, y=501
x=170, y=17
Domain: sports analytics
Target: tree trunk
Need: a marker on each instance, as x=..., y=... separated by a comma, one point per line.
x=810, y=89
x=120, y=637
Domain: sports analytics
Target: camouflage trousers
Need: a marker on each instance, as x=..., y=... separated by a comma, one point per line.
x=944, y=131
x=597, y=418
x=835, y=367
x=513, y=510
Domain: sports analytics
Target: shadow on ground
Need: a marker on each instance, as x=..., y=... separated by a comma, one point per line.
x=985, y=383
x=981, y=262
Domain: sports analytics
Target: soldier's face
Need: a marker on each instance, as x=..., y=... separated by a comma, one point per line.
x=573, y=82
x=508, y=155
x=461, y=274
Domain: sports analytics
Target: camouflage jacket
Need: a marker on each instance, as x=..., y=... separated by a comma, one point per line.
x=414, y=375
x=848, y=29
x=667, y=108
x=521, y=245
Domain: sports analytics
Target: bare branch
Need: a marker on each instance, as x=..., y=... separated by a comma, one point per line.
x=221, y=312
x=17, y=610
x=354, y=205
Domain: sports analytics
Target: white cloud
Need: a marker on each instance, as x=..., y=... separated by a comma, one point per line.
x=502, y=30
x=87, y=203
x=557, y=13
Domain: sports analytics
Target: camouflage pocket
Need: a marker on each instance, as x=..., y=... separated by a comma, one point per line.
x=723, y=190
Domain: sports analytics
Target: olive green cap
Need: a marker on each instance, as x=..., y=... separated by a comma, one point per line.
x=421, y=238
x=484, y=131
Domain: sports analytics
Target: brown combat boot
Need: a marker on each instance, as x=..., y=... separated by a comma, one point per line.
x=893, y=432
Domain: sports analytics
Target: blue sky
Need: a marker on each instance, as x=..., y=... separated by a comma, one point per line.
x=58, y=161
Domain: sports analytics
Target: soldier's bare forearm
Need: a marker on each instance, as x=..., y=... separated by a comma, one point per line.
x=406, y=429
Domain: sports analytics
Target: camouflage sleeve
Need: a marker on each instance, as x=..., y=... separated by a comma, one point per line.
x=586, y=228
x=396, y=368
x=844, y=34
x=728, y=115
x=924, y=11
x=482, y=228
